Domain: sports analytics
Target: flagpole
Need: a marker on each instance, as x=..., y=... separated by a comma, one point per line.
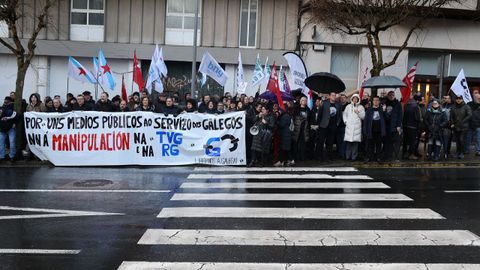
x=194, y=58
x=68, y=84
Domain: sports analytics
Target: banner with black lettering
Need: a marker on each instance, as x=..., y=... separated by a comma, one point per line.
x=136, y=138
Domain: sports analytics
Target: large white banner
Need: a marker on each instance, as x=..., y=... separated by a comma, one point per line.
x=136, y=138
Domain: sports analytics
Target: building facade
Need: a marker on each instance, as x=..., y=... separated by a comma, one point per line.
x=269, y=28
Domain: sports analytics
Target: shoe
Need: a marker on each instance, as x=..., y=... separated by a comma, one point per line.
x=292, y=162
x=477, y=154
x=278, y=164
x=412, y=157
x=380, y=161
x=367, y=160
x=461, y=156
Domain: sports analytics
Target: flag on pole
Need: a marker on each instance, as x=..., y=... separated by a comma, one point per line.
x=286, y=85
x=98, y=71
x=240, y=84
x=258, y=74
x=124, y=89
x=211, y=67
x=78, y=72
x=106, y=76
x=267, y=72
x=203, y=79
x=154, y=76
x=274, y=87
x=137, y=73
x=364, y=79
x=281, y=83
x=408, y=81
x=460, y=87
x=161, y=66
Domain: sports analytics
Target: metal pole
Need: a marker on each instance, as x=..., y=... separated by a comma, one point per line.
x=194, y=58
x=442, y=72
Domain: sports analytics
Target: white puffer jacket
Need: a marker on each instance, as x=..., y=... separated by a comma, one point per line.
x=353, y=121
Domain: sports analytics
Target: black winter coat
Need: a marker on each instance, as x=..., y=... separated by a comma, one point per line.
x=285, y=132
x=435, y=122
x=460, y=116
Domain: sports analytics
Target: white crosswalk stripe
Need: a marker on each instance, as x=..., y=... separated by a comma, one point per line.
x=278, y=176
x=276, y=169
x=212, y=185
x=309, y=238
x=289, y=197
x=299, y=213
x=288, y=185
x=135, y=265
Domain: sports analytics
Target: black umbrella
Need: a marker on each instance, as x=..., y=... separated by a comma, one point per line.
x=384, y=82
x=324, y=82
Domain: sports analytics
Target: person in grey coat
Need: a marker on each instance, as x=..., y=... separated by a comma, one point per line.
x=460, y=116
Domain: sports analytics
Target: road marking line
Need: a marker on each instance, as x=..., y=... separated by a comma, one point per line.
x=299, y=213
x=290, y=185
x=135, y=265
x=54, y=213
x=277, y=176
x=41, y=251
x=276, y=169
x=289, y=197
x=310, y=238
x=462, y=191
x=87, y=190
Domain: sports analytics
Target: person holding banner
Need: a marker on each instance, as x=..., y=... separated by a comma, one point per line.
x=146, y=105
x=460, y=116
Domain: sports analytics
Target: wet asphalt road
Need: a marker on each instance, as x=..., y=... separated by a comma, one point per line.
x=107, y=232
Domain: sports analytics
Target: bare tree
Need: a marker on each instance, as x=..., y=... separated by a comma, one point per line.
x=11, y=11
x=369, y=18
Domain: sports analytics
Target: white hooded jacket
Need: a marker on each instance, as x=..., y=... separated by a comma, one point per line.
x=353, y=120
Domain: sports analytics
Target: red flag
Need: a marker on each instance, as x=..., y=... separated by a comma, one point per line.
x=408, y=80
x=362, y=90
x=137, y=73
x=124, y=90
x=274, y=86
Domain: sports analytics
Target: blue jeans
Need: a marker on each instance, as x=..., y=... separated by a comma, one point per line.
x=3, y=138
x=469, y=136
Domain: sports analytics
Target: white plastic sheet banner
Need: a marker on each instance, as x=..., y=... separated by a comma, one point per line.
x=136, y=138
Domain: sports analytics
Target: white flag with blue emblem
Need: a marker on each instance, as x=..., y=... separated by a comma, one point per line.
x=211, y=67
x=460, y=87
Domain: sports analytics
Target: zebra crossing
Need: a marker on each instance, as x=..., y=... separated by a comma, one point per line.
x=254, y=194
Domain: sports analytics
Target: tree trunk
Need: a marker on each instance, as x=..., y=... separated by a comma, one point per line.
x=22, y=68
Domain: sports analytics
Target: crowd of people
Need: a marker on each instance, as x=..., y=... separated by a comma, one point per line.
x=376, y=129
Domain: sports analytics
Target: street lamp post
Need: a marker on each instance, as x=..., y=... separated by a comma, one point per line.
x=194, y=59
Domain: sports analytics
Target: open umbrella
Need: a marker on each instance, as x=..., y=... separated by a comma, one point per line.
x=324, y=82
x=270, y=96
x=384, y=82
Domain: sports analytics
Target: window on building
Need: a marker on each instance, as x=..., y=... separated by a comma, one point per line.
x=87, y=20
x=345, y=64
x=180, y=22
x=248, y=23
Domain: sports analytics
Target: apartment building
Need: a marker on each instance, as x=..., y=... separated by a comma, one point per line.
x=266, y=27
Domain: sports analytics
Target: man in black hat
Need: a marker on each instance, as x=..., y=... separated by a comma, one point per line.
x=88, y=99
x=7, y=128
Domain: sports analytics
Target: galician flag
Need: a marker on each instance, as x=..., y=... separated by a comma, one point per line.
x=240, y=84
x=211, y=67
x=106, y=75
x=154, y=73
x=98, y=71
x=258, y=74
x=78, y=72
